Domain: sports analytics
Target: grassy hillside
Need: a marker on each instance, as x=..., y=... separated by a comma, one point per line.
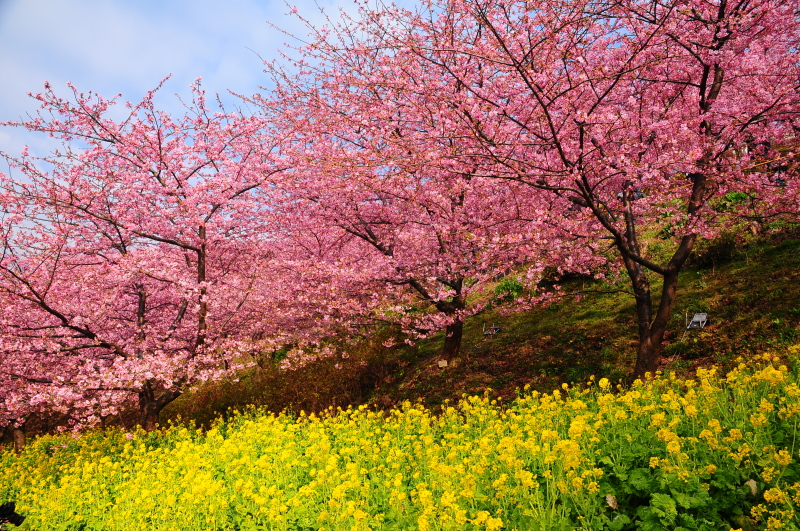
x=750, y=291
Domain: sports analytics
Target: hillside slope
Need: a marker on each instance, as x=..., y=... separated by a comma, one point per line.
x=751, y=293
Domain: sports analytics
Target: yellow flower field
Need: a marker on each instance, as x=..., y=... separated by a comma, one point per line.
x=717, y=452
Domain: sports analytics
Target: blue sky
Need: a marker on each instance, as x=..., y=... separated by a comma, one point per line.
x=128, y=46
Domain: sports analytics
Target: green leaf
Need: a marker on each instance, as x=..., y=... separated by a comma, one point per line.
x=699, y=498
x=663, y=506
x=619, y=522
x=606, y=460
x=641, y=479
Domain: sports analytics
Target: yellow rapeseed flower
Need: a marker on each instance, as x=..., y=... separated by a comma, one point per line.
x=674, y=447
x=783, y=458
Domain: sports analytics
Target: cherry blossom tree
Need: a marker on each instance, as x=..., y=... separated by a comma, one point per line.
x=135, y=260
x=319, y=300
x=620, y=116
x=423, y=229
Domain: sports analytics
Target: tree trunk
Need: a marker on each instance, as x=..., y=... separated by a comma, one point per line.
x=19, y=439
x=148, y=412
x=455, y=330
x=202, y=312
x=150, y=405
x=452, y=340
x=652, y=328
x=647, y=352
x=451, y=308
x=648, y=355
